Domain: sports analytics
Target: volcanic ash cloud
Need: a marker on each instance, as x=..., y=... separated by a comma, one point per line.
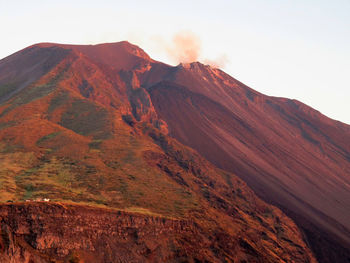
x=185, y=48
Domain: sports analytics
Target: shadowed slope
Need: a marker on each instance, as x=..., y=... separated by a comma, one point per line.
x=290, y=154
x=24, y=67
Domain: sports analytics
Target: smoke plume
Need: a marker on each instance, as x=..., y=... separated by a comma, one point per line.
x=219, y=62
x=185, y=47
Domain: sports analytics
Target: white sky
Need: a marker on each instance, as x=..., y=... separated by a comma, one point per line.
x=290, y=48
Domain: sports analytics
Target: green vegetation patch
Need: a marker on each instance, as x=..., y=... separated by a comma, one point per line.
x=34, y=92
x=28, y=95
x=50, y=179
x=48, y=137
x=4, y=125
x=95, y=144
x=57, y=101
x=9, y=148
x=6, y=89
x=86, y=118
x=29, y=188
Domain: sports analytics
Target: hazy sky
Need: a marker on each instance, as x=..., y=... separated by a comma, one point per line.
x=290, y=48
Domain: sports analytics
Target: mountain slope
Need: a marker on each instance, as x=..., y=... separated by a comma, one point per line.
x=84, y=130
x=25, y=67
x=290, y=154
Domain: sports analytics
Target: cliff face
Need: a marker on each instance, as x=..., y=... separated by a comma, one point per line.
x=52, y=232
x=40, y=232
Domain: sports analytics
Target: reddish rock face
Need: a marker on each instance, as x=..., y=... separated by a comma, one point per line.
x=92, y=123
x=42, y=232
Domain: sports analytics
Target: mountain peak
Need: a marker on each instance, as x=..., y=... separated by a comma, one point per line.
x=199, y=67
x=194, y=65
x=119, y=55
x=202, y=71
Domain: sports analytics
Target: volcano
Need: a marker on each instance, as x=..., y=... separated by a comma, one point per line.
x=146, y=162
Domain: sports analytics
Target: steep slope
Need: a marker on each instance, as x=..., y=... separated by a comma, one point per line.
x=25, y=67
x=86, y=132
x=290, y=154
